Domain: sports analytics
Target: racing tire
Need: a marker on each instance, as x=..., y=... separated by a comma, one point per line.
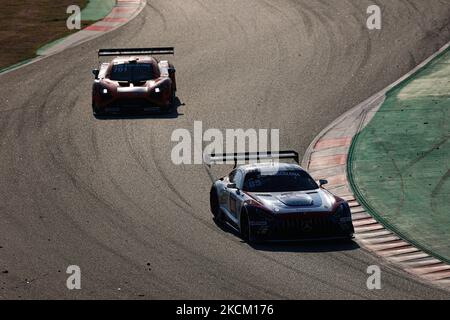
x=245, y=228
x=215, y=208
x=246, y=231
x=165, y=110
x=168, y=109
x=96, y=112
x=349, y=237
x=173, y=97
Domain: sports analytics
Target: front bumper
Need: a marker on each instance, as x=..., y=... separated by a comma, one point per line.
x=131, y=102
x=302, y=227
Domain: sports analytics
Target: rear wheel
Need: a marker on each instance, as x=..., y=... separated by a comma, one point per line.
x=245, y=227
x=172, y=77
x=173, y=97
x=215, y=207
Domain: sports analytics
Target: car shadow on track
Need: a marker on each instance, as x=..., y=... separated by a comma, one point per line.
x=308, y=246
x=172, y=114
x=335, y=245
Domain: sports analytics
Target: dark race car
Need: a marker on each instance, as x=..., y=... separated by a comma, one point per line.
x=277, y=201
x=134, y=81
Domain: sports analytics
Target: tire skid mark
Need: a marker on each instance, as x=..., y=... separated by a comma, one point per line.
x=158, y=12
x=160, y=171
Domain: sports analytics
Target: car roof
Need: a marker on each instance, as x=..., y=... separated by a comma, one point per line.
x=138, y=59
x=267, y=165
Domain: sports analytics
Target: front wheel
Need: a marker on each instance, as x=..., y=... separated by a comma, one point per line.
x=246, y=231
x=95, y=110
x=169, y=108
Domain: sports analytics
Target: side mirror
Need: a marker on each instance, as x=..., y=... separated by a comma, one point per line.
x=231, y=186
x=323, y=182
x=96, y=72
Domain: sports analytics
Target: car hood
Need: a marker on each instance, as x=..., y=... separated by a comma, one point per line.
x=318, y=200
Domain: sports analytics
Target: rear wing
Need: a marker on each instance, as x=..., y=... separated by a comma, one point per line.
x=215, y=158
x=136, y=51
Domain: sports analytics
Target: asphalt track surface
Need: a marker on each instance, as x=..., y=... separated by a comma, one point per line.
x=104, y=194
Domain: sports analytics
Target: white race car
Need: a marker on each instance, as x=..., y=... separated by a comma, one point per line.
x=277, y=201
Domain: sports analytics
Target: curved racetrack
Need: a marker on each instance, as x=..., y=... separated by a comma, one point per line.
x=104, y=194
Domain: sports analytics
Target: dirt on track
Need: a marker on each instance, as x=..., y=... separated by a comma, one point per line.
x=26, y=25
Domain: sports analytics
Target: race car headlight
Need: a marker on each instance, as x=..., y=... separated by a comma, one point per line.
x=262, y=214
x=157, y=90
x=343, y=210
x=103, y=92
x=259, y=211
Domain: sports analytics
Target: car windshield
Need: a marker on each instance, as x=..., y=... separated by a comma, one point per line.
x=132, y=72
x=282, y=181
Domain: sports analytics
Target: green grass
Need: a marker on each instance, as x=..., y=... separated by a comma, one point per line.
x=399, y=165
x=27, y=25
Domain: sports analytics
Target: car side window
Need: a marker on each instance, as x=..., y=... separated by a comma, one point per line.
x=238, y=179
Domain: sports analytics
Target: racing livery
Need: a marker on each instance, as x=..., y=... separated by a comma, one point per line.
x=277, y=201
x=134, y=81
